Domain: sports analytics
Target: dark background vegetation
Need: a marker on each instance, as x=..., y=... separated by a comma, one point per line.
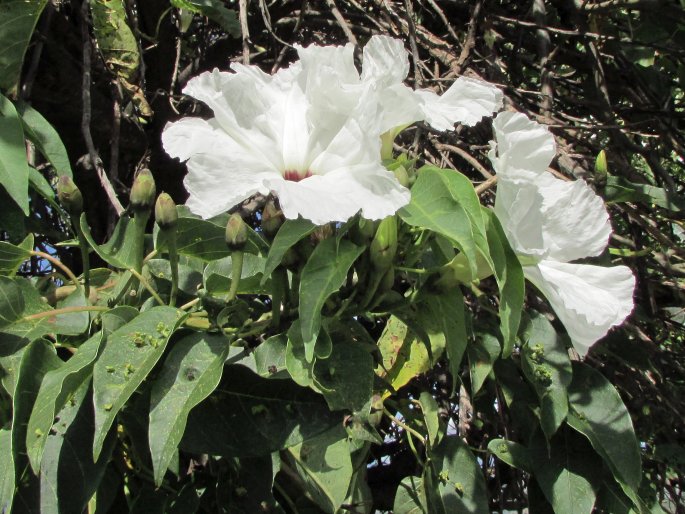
x=603, y=75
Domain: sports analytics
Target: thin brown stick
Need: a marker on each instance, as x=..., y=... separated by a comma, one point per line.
x=342, y=22
x=245, y=31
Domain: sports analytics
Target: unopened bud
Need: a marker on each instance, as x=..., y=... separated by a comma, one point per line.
x=384, y=245
x=236, y=232
x=272, y=219
x=69, y=196
x=165, y=212
x=143, y=191
x=601, y=169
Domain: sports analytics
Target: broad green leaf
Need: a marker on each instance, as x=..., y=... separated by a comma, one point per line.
x=68, y=475
x=72, y=323
x=191, y=371
x=445, y=202
x=325, y=466
x=6, y=470
x=129, y=355
x=18, y=19
x=14, y=170
x=322, y=275
x=405, y=354
x=299, y=368
x=514, y=454
x=40, y=184
x=509, y=276
x=269, y=357
x=218, y=274
x=188, y=278
x=429, y=409
x=458, y=478
x=287, y=236
x=12, y=218
x=482, y=353
x=410, y=497
x=251, y=416
x=45, y=137
x=11, y=301
x=38, y=359
x=598, y=413
x=442, y=317
x=120, y=250
x=215, y=10
x=565, y=472
x=618, y=190
x=204, y=239
x=346, y=376
x=547, y=367
x=11, y=257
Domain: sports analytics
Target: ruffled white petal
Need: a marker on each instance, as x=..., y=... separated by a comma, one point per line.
x=340, y=194
x=466, y=101
x=385, y=62
x=522, y=144
x=588, y=300
x=221, y=172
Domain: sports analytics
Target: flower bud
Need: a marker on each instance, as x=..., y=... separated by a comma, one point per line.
x=143, y=191
x=236, y=233
x=165, y=212
x=69, y=196
x=384, y=245
x=272, y=219
x=601, y=169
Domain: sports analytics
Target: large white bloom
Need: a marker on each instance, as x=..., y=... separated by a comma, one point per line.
x=311, y=133
x=550, y=222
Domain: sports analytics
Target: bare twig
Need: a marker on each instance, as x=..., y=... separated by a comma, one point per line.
x=245, y=31
x=342, y=22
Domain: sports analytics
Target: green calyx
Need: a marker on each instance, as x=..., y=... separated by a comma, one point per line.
x=236, y=232
x=143, y=191
x=165, y=212
x=384, y=245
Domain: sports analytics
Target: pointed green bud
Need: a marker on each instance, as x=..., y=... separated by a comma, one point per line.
x=69, y=196
x=236, y=233
x=165, y=212
x=272, y=218
x=143, y=191
x=384, y=245
x=601, y=169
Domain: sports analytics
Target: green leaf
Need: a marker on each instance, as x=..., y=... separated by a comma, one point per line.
x=619, y=190
x=269, y=357
x=14, y=170
x=509, y=276
x=129, y=355
x=120, y=250
x=72, y=323
x=57, y=385
x=18, y=19
x=458, y=478
x=326, y=468
x=346, y=376
x=565, y=472
x=38, y=359
x=190, y=373
x=598, y=413
x=251, y=416
x=287, y=236
x=547, y=367
x=45, y=137
x=188, y=278
x=6, y=470
x=429, y=409
x=215, y=10
x=482, y=355
x=322, y=275
x=410, y=497
x=11, y=257
x=11, y=301
x=40, y=184
x=217, y=275
x=445, y=202
x=514, y=454
x=68, y=475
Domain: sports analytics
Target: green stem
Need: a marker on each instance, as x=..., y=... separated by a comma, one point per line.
x=147, y=286
x=236, y=273
x=85, y=260
x=403, y=425
x=59, y=264
x=65, y=310
x=279, y=283
x=376, y=278
x=140, y=222
x=173, y=262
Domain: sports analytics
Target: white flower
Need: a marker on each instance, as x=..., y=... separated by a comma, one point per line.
x=550, y=222
x=311, y=134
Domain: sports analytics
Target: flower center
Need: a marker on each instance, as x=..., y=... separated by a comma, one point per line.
x=296, y=176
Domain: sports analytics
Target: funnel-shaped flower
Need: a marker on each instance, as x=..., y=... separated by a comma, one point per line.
x=550, y=222
x=311, y=133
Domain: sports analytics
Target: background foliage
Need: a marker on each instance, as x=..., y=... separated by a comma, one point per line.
x=90, y=85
